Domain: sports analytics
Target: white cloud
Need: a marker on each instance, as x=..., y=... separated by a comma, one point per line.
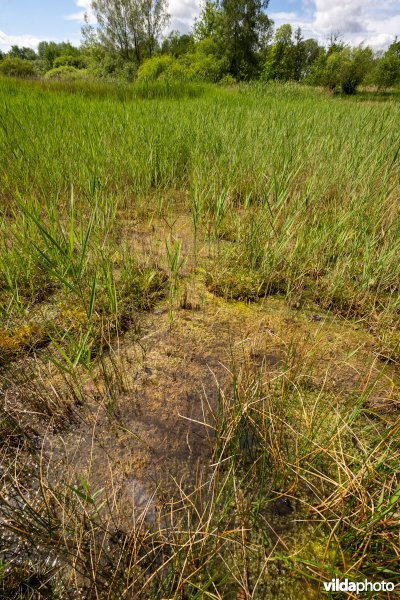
x=6, y=41
x=348, y=16
x=357, y=21
x=283, y=17
x=80, y=15
x=183, y=13
x=295, y=20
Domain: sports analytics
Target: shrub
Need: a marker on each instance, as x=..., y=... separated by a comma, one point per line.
x=129, y=71
x=201, y=65
x=205, y=67
x=68, y=60
x=387, y=71
x=228, y=80
x=177, y=71
x=342, y=69
x=106, y=66
x=17, y=67
x=153, y=68
x=66, y=73
x=205, y=63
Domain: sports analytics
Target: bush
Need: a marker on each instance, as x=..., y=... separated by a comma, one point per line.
x=177, y=71
x=206, y=67
x=387, y=71
x=203, y=65
x=153, y=68
x=129, y=71
x=66, y=73
x=228, y=80
x=68, y=60
x=342, y=69
x=17, y=67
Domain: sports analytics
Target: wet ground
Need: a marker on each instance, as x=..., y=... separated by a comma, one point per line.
x=159, y=430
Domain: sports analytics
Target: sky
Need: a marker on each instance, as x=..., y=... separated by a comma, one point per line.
x=26, y=22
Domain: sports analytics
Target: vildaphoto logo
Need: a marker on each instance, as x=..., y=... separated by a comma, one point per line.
x=337, y=585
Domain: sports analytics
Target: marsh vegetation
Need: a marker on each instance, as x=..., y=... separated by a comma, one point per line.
x=199, y=340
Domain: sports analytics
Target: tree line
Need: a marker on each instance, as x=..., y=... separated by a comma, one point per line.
x=231, y=40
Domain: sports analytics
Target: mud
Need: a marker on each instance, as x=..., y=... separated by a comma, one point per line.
x=160, y=431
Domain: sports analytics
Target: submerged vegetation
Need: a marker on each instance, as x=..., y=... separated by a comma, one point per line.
x=199, y=339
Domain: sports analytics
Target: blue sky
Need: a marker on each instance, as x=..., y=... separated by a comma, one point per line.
x=25, y=22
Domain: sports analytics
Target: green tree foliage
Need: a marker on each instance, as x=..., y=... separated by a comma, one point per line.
x=342, y=68
x=206, y=62
x=240, y=28
x=68, y=60
x=280, y=62
x=131, y=28
x=245, y=27
x=49, y=52
x=24, y=53
x=290, y=56
x=203, y=64
x=102, y=63
x=387, y=68
x=17, y=67
x=336, y=44
x=153, y=68
x=311, y=51
x=231, y=40
x=395, y=47
x=207, y=25
x=305, y=53
x=156, y=17
x=176, y=44
x=353, y=74
x=65, y=73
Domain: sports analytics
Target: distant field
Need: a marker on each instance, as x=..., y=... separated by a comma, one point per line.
x=199, y=317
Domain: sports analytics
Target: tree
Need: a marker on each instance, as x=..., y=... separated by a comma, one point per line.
x=335, y=43
x=156, y=18
x=361, y=60
x=244, y=28
x=69, y=60
x=130, y=27
x=394, y=47
x=177, y=44
x=49, y=51
x=241, y=29
x=279, y=64
x=344, y=69
x=207, y=25
x=17, y=67
x=387, y=69
x=23, y=52
x=311, y=53
x=298, y=55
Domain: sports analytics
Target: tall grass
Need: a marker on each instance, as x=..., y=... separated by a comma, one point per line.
x=284, y=190
x=320, y=174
